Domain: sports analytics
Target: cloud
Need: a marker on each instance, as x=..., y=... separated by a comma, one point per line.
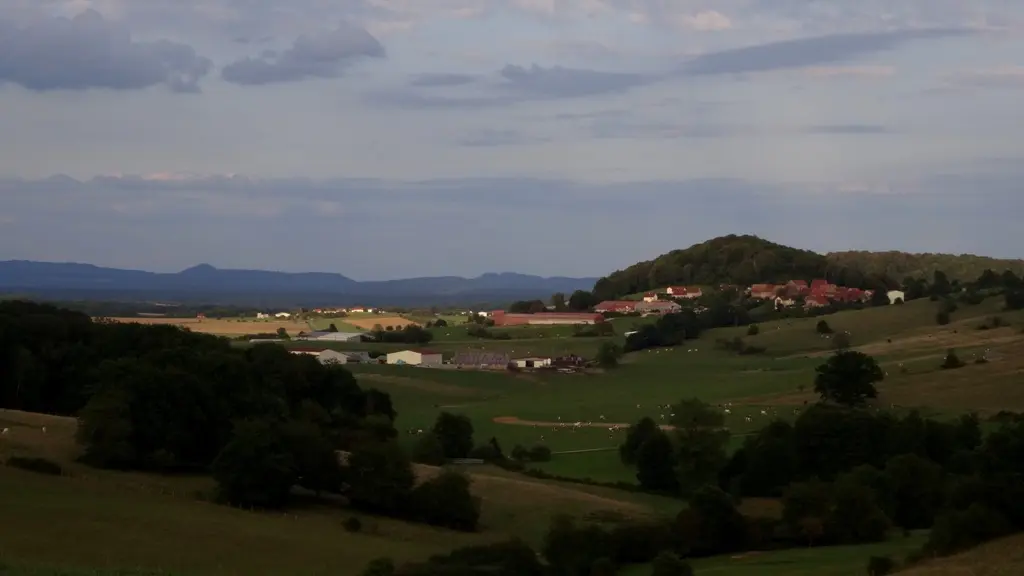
x=324, y=55
x=849, y=129
x=805, y=52
x=705, y=21
x=442, y=80
x=559, y=82
x=999, y=77
x=487, y=138
x=88, y=51
x=137, y=221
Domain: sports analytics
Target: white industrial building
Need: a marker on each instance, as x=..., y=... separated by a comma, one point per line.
x=415, y=358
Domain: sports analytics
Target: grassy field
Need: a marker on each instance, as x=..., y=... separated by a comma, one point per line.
x=105, y=519
x=905, y=339
x=827, y=561
x=119, y=519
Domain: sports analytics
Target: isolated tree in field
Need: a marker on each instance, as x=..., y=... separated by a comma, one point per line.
x=656, y=464
x=455, y=432
x=256, y=468
x=822, y=327
x=608, y=355
x=942, y=317
x=637, y=434
x=445, y=500
x=379, y=477
x=753, y=330
x=283, y=334
x=441, y=323
x=701, y=442
x=428, y=450
x=582, y=300
x=940, y=284
x=559, y=302
x=880, y=296
x=848, y=378
x=332, y=328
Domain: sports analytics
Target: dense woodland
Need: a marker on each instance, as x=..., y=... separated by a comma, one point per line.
x=746, y=260
x=260, y=420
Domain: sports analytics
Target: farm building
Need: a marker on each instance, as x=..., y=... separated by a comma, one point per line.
x=415, y=358
x=340, y=336
x=309, y=351
x=895, y=295
x=482, y=359
x=684, y=292
x=532, y=362
x=502, y=318
x=332, y=357
x=620, y=306
x=657, y=307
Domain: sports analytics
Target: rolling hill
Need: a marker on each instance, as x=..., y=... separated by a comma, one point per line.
x=744, y=260
x=213, y=285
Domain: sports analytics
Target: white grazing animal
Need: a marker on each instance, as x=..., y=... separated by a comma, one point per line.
x=727, y=411
x=747, y=418
x=44, y=429
x=4, y=431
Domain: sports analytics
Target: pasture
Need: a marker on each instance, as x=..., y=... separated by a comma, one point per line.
x=905, y=339
x=107, y=520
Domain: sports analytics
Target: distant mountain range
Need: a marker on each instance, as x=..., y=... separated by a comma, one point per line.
x=259, y=287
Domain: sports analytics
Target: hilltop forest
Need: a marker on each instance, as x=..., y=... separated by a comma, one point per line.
x=745, y=260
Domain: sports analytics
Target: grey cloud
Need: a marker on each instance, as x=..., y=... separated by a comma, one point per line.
x=559, y=82
x=805, y=52
x=136, y=222
x=88, y=51
x=520, y=84
x=486, y=138
x=849, y=129
x=442, y=80
x=326, y=55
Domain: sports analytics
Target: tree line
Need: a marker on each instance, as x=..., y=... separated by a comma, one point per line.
x=260, y=420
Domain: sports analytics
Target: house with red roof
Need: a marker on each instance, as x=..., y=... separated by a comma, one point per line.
x=763, y=291
x=816, y=301
x=684, y=292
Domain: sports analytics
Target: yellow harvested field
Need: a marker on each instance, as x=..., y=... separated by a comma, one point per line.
x=226, y=327
x=384, y=321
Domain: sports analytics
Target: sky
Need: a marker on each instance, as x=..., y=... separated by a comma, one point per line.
x=389, y=139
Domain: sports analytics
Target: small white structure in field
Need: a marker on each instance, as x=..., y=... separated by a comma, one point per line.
x=283, y=315
x=532, y=362
x=895, y=295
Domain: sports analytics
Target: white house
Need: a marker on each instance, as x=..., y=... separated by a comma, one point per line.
x=895, y=295
x=415, y=358
x=262, y=316
x=532, y=362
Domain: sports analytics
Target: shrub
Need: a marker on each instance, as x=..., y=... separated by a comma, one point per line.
x=822, y=327
x=959, y=530
x=445, y=500
x=668, y=564
x=40, y=465
x=379, y=567
x=485, y=452
x=881, y=566
x=428, y=450
x=520, y=454
x=753, y=330
x=942, y=318
x=952, y=361
x=540, y=453
x=353, y=524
